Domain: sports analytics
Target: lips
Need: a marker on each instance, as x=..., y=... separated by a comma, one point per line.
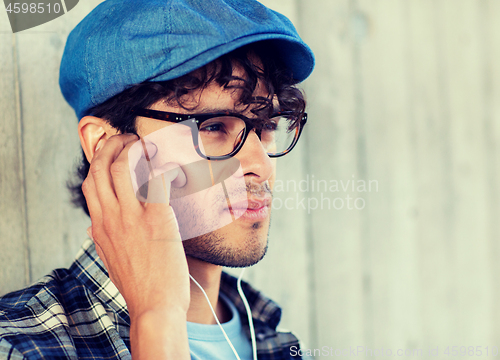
x=251, y=204
x=254, y=209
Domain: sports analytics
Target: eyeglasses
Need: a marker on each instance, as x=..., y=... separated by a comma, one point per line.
x=219, y=136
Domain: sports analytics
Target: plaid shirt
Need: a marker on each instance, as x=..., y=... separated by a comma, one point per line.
x=78, y=313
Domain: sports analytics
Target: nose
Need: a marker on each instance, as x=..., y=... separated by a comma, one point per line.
x=254, y=159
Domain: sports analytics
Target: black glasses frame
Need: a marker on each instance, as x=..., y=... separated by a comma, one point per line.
x=198, y=119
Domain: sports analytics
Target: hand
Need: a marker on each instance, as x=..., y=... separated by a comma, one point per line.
x=139, y=243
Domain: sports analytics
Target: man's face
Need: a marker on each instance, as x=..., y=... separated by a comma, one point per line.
x=244, y=241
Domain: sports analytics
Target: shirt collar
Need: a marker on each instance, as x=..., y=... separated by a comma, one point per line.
x=89, y=269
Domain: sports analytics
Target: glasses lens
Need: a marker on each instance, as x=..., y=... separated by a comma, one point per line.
x=278, y=134
x=220, y=135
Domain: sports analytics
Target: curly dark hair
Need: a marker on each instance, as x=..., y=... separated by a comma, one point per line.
x=270, y=69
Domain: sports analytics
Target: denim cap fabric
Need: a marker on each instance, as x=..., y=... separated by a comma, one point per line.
x=125, y=42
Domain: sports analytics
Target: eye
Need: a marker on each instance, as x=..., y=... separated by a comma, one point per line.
x=213, y=127
x=270, y=126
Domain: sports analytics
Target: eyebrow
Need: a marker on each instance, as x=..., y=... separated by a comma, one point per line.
x=212, y=110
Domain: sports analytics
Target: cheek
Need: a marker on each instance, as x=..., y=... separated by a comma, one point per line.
x=174, y=143
x=148, y=126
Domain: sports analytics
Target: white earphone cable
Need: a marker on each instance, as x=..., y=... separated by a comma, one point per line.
x=249, y=314
x=215, y=316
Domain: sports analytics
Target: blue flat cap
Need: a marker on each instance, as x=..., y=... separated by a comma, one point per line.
x=125, y=42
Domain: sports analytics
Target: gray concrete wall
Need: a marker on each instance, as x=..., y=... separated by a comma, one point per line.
x=405, y=98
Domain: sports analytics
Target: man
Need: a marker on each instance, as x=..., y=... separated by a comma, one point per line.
x=133, y=70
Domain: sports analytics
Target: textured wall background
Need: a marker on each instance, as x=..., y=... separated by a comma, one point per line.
x=405, y=98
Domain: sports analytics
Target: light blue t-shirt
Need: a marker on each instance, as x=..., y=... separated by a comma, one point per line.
x=207, y=342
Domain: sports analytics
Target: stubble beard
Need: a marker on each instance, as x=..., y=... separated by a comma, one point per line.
x=214, y=249
x=229, y=246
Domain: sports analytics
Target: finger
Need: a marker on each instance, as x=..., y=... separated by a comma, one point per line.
x=162, y=220
x=172, y=173
x=157, y=207
x=159, y=186
x=158, y=190
x=179, y=177
x=96, y=231
x=126, y=168
x=101, y=168
x=139, y=156
x=93, y=204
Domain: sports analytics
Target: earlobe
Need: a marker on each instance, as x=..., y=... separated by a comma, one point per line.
x=93, y=133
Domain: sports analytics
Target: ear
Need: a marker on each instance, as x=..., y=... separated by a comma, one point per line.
x=94, y=132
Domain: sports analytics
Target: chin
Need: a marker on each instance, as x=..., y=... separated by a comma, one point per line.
x=224, y=249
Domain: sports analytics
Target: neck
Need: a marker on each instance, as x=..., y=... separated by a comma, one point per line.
x=208, y=276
